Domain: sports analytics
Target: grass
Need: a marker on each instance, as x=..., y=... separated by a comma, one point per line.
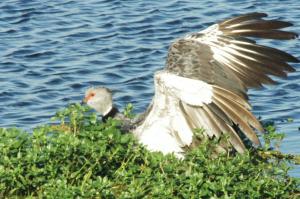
x=80, y=157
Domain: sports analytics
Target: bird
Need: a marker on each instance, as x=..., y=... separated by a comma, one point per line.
x=204, y=85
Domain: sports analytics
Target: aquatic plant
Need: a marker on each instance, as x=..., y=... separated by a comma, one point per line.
x=85, y=158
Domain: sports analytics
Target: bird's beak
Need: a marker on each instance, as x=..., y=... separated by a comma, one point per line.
x=84, y=101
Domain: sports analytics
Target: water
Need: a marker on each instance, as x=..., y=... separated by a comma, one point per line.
x=51, y=51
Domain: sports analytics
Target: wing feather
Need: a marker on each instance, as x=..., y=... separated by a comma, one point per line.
x=222, y=56
x=261, y=25
x=242, y=18
x=239, y=109
x=235, y=116
x=206, y=78
x=266, y=34
x=225, y=128
x=257, y=49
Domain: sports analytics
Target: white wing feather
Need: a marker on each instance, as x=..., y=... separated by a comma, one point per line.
x=166, y=129
x=190, y=91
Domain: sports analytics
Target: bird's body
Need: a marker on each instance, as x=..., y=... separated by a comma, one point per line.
x=205, y=83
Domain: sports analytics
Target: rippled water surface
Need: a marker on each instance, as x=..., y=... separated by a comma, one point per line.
x=51, y=51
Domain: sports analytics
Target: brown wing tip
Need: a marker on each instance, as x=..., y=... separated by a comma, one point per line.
x=293, y=59
x=294, y=35
x=243, y=17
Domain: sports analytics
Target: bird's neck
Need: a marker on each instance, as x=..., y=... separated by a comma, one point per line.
x=112, y=113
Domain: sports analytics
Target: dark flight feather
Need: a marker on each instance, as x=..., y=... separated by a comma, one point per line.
x=242, y=18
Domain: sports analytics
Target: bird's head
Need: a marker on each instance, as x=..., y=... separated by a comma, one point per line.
x=100, y=99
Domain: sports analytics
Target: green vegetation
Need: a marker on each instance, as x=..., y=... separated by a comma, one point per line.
x=83, y=158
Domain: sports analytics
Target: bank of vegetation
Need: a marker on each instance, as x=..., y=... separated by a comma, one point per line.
x=84, y=158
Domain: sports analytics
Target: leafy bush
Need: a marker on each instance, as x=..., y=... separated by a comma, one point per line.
x=83, y=158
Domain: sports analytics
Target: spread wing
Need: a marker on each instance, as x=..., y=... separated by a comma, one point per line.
x=223, y=57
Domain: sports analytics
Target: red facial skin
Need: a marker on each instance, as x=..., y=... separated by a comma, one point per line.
x=88, y=97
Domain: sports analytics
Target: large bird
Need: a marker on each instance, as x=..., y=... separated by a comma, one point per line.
x=204, y=85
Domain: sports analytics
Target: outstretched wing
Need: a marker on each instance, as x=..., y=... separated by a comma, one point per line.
x=222, y=55
x=224, y=58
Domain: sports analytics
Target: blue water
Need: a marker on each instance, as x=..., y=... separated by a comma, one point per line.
x=52, y=50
